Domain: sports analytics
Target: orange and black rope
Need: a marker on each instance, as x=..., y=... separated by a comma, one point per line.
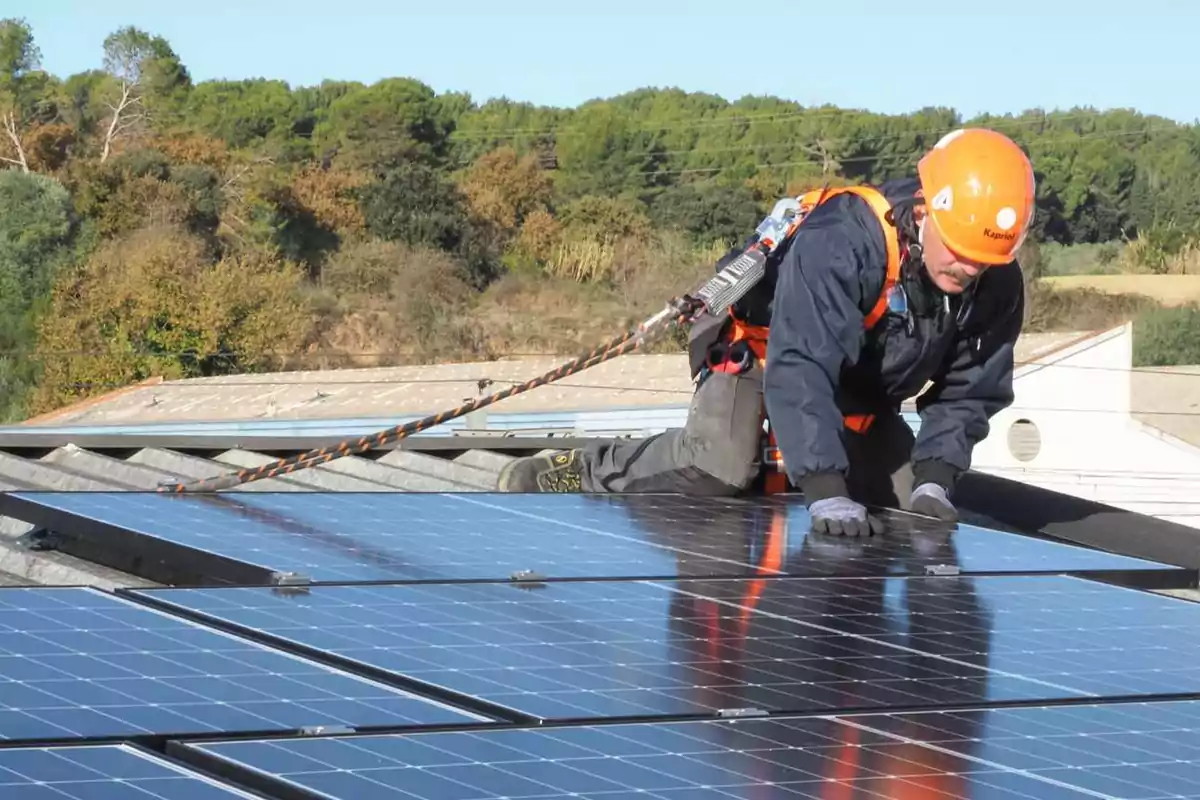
x=619, y=345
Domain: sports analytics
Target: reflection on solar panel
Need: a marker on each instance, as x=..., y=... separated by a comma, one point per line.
x=403, y=536
x=1065, y=632
x=1127, y=751
x=1134, y=750
x=112, y=772
x=589, y=650
x=79, y=663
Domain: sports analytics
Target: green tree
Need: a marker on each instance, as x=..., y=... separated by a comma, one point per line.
x=35, y=230
x=21, y=87
x=1167, y=337
x=708, y=211
x=420, y=207
x=387, y=124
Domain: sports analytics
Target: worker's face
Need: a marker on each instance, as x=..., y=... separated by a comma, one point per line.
x=950, y=272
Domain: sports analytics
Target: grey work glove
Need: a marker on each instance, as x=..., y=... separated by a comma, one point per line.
x=931, y=500
x=841, y=516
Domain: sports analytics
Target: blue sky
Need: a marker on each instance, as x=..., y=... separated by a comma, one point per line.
x=1003, y=56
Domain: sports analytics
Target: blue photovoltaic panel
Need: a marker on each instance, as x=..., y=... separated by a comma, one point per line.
x=396, y=536
x=590, y=650
x=110, y=772
x=78, y=663
x=1067, y=633
x=1119, y=750
x=1068, y=753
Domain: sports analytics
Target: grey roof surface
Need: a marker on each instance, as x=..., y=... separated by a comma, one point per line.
x=644, y=381
x=1168, y=398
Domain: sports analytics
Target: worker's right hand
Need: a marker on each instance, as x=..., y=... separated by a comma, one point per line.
x=841, y=516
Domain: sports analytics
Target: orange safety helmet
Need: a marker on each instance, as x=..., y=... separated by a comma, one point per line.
x=979, y=192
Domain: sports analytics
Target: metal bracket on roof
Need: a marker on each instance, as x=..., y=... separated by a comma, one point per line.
x=943, y=570
x=742, y=712
x=290, y=583
x=528, y=579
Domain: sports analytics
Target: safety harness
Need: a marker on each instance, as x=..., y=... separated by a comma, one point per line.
x=743, y=344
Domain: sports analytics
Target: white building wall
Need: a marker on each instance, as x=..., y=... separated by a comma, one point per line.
x=1084, y=442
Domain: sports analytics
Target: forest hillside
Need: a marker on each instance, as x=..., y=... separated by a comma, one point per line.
x=154, y=225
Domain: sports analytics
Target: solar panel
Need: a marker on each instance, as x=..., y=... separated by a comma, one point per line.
x=1120, y=751
x=106, y=772
x=1127, y=750
x=394, y=536
x=77, y=663
x=582, y=650
x=1066, y=633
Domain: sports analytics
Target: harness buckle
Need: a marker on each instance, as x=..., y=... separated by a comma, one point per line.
x=733, y=359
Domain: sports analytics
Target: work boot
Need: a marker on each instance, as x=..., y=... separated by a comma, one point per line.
x=557, y=472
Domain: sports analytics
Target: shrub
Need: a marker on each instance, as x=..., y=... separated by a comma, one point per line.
x=1167, y=337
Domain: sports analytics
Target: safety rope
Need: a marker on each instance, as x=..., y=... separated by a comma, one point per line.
x=716, y=296
x=678, y=311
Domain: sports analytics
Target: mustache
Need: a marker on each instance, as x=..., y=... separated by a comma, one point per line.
x=961, y=275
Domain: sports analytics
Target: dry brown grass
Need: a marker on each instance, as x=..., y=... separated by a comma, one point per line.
x=1145, y=255
x=1079, y=309
x=1169, y=290
x=382, y=303
x=385, y=303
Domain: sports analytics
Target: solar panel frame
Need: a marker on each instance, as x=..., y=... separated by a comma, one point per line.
x=78, y=664
x=616, y=650
x=1127, y=750
x=86, y=772
x=259, y=538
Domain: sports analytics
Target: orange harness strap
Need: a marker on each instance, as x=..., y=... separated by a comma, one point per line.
x=755, y=336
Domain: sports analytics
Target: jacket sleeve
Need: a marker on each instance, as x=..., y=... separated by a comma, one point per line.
x=971, y=387
x=816, y=328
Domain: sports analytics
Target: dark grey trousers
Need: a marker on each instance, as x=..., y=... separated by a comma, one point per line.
x=719, y=450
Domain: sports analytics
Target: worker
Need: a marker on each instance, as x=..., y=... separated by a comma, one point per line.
x=881, y=295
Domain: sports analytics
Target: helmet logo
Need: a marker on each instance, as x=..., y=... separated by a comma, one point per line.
x=943, y=200
x=1006, y=218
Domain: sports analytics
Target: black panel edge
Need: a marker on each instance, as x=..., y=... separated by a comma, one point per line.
x=159, y=743
x=194, y=742
x=1144, y=579
x=234, y=774
x=138, y=554
x=413, y=686
x=164, y=756
x=1072, y=519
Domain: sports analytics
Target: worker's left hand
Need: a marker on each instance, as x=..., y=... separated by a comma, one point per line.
x=931, y=500
x=841, y=516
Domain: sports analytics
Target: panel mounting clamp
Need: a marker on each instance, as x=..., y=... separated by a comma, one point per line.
x=741, y=712
x=290, y=583
x=325, y=730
